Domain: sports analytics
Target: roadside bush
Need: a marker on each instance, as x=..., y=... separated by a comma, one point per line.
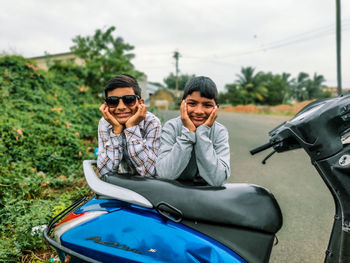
x=48, y=126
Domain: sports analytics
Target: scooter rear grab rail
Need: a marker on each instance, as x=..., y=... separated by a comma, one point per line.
x=113, y=191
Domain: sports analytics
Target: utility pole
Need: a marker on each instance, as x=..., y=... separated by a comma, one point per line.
x=338, y=41
x=176, y=56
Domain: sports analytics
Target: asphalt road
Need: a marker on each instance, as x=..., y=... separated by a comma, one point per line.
x=306, y=203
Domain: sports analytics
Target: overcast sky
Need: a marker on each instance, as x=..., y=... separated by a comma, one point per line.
x=214, y=38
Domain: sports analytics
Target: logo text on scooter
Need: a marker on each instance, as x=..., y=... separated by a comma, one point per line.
x=113, y=244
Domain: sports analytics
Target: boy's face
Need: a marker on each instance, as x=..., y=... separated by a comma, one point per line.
x=122, y=113
x=199, y=108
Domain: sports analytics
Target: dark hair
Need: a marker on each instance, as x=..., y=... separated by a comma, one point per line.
x=204, y=85
x=123, y=81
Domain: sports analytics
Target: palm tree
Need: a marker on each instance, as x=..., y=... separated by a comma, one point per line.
x=299, y=91
x=289, y=83
x=252, y=85
x=246, y=77
x=314, y=86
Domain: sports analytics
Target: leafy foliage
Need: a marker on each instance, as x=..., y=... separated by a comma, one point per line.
x=105, y=56
x=170, y=81
x=48, y=126
x=306, y=88
x=272, y=89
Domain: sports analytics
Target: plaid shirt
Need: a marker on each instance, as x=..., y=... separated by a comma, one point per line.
x=133, y=151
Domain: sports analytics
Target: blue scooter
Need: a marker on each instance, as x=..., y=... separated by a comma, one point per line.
x=137, y=219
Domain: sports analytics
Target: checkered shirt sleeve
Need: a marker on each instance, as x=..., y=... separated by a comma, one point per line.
x=110, y=148
x=143, y=148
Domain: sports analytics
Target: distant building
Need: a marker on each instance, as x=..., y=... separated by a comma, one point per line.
x=148, y=89
x=166, y=99
x=43, y=61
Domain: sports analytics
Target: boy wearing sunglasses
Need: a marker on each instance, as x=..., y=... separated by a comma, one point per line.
x=194, y=147
x=128, y=135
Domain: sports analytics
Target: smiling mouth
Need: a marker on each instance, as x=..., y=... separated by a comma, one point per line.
x=123, y=115
x=198, y=118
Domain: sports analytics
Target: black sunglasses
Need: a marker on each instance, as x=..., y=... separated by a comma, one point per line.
x=128, y=100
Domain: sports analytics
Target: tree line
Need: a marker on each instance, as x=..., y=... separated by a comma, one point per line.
x=106, y=55
x=263, y=88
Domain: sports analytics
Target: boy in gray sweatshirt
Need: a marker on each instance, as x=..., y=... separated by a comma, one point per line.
x=194, y=146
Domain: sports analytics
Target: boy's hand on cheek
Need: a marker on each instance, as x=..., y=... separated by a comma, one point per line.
x=185, y=118
x=212, y=117
x=117, y=127
x=139, y=116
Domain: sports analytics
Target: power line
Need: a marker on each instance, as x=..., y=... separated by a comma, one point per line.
x=294, y=39
x=313, y=31
x=312, y=34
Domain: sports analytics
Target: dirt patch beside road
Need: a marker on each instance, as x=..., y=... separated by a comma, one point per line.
x=282, y=109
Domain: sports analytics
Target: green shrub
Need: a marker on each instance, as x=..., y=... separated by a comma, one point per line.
x=48, y=126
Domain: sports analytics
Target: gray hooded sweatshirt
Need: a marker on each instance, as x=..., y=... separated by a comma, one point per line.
x=185, y=155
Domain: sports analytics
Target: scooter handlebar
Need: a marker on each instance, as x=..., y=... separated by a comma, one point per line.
x=261, y=148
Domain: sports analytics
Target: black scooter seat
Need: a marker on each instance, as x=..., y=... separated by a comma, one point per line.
x=244, y=205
